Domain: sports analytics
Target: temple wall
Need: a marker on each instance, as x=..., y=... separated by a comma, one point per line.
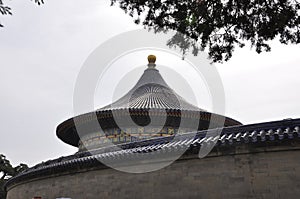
x=255, y=175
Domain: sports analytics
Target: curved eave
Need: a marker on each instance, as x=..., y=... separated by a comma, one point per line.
x=66, y=131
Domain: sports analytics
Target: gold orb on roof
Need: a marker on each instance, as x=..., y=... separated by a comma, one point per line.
x=151, y=59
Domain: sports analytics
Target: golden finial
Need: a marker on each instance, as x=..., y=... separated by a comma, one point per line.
x=151, y=60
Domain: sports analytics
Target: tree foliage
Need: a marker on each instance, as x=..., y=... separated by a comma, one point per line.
x=219, y=25
x=7, y=171
x=6, y=10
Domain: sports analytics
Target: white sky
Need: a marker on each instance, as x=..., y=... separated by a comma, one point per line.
x=43, y=48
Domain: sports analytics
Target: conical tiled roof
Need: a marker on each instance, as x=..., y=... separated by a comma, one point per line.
x=151, y=91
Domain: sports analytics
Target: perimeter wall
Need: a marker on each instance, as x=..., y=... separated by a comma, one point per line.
x=272, y=174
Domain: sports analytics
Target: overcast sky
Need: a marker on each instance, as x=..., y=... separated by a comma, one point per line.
x=43, y=48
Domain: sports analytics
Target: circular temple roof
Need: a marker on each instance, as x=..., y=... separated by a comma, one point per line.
x=150, y=92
